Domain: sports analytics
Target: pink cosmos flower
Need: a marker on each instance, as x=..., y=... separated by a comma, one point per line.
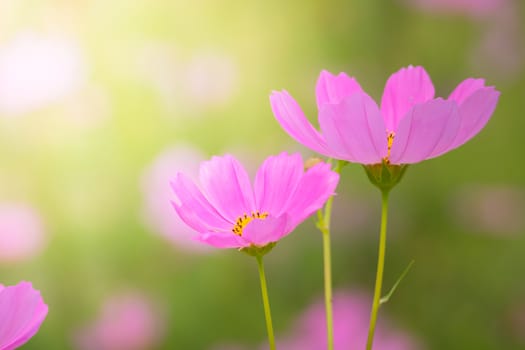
x=229, y=213
x=409, y=126
x=22, y=311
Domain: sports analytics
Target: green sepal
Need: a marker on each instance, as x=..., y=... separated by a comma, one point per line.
x=340, y=165
x=254, y=250
x=385, y=175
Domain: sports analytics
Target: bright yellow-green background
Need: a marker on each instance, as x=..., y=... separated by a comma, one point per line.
x=463, y=285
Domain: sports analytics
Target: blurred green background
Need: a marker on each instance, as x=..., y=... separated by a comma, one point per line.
x=95, y=91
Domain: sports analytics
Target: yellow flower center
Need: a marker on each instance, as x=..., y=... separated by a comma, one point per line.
x=390, y=140
x=244, y=220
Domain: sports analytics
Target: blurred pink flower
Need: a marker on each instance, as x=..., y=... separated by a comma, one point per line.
x=351, y=315
x=22, y=311
x=155, y=183
x=410, y=126
x=352, y=215
x=127, y=322
x=36, y=70
x=515, y=320
x=21, y=232
x=229, y=213
x=496, y=210
x=501, y=48
x=474, y=8
x=208, y=79
x=228, y=347
x=211, y=78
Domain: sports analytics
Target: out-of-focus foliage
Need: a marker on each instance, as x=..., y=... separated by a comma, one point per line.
x=95, y=96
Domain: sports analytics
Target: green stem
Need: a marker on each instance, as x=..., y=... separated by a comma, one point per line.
x=380, y=268
x=324, y=226
x=266, y=303
x=328, y=288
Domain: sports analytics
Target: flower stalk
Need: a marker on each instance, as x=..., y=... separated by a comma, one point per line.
x=266, y=302
x=324, y=226
x=327, y=258
x=380, y=268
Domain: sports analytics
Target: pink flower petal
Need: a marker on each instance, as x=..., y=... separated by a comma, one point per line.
x=223, y=240
x=276, y=181
x=190, y=218
x=289, y=114
x=427, y=131
x=466, y=88
x=404, y=89
x=262, y=232
x=316, y=186
x=194, y=209
x=23, y=311
x=355, y=129
x=333, y=89
x=227, y=187
x=475, y=112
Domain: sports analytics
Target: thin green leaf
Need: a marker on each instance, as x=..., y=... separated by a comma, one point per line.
x=394, y=287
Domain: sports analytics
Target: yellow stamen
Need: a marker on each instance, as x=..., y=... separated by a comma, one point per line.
x=245, y=219
x=390, y=140
x=311, y=162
